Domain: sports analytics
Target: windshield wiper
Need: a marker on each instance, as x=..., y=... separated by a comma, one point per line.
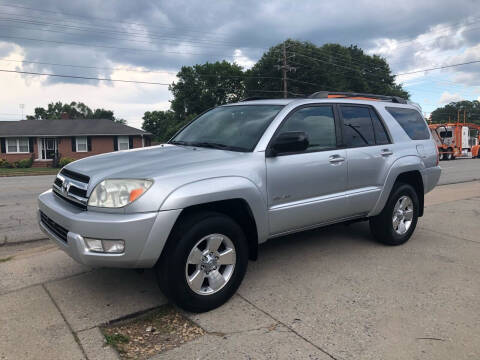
x=213, y=145
x=175, y=142
x=206, y=144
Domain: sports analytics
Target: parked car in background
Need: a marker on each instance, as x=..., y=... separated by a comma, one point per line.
x=196, y=208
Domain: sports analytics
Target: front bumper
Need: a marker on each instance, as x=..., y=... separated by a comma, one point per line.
x=144, y=234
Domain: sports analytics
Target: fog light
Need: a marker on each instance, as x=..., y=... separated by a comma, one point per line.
x=105, y=246
x=94, y=245
x=113, y=246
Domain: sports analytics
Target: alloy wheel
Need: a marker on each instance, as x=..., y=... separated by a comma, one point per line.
x=210, y=264
x=402, y=215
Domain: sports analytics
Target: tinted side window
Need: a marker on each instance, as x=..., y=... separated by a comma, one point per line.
x=411, y=121
x=357, y=126
x=381, y=137
x=319, y=124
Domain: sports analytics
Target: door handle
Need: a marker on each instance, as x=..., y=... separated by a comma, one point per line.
x=336, y=159
x=387, y=152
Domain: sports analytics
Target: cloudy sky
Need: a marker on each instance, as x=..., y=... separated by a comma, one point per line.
x=148, y=41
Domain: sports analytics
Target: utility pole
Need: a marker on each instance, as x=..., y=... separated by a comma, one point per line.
x=284, y=71
x=285, y=67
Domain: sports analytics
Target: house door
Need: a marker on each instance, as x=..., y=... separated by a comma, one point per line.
x=49, y=148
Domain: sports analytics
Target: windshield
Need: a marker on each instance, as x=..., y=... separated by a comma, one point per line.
x=236, y=127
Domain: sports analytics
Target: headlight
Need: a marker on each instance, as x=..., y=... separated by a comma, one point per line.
x=116, y=193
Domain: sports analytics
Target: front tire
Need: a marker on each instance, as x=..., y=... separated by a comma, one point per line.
x=398, y=219
x=204, y=262
x=449, y=155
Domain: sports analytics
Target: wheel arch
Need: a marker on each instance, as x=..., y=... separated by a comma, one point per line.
x=237, y=209
x=414, y=178
x=235, y=197
x=408, y=170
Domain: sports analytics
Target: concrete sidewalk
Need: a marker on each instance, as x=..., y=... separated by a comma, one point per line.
x=331, y=293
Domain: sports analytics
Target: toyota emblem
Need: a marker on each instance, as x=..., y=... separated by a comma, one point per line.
x=65, y=187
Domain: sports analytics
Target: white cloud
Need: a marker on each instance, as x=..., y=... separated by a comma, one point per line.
x=242, y=60
x=128, y=101
x=447, y=98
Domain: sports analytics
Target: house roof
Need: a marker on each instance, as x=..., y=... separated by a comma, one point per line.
x=68, y=127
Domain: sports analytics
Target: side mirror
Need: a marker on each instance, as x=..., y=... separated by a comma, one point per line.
x=288, y=142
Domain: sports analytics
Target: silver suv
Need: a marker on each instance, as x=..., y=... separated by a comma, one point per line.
x=197, y=207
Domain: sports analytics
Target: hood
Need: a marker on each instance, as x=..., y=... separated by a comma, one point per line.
x=152, y=162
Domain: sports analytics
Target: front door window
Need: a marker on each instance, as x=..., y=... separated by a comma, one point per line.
x=49, y=148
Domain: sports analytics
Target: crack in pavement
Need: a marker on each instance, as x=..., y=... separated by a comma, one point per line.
x=289, y=328
x=447, y=234
x=75, y=337
x=46, y=282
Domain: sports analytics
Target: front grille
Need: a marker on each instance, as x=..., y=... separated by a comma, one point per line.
x=78, y=192
x=51, y=225
x=58, y=182
x=75, y=176
x=78, y=205
x=72, y=187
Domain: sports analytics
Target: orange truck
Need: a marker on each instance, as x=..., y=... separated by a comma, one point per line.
x=457, y=140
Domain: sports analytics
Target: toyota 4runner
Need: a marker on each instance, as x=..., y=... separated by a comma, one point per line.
x=197, y=207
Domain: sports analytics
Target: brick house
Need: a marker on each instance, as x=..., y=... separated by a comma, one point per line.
x=72, y=138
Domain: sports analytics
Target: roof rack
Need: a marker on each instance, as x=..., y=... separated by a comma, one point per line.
x=253, y=98
x=356, y=96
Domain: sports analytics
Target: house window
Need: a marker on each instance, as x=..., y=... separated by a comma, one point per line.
x=123, y=143
x=82, y=144
x=17, y=145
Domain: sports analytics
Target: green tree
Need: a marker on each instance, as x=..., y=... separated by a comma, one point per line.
x=74, y=110
x=201, y=87
x=331, y=67
x=163, y=124
x=449, y=112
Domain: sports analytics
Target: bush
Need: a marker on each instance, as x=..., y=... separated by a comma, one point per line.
x=5, y=164
x=25, y=163
x=64, y=161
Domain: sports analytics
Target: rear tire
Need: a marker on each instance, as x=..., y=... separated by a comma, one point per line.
x=204, y=261
x=398, y=219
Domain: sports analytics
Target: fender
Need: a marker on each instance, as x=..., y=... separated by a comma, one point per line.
x=222, y=188
x=401, y=165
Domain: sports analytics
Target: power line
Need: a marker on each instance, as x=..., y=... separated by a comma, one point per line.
x=115, y=80
x=95, y=18
x=111, y=47
x=261, y=76
x=89, y=67
x=131, y=35
x=439, y=67
x=82, y=77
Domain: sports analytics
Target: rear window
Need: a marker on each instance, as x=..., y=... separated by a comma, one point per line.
x=411, y=121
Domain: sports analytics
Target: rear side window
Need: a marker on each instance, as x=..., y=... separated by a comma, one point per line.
x=357, y=126
x=411, y=121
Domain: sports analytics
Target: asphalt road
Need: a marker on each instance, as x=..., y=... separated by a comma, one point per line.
x=459, y=170
x=18, y=198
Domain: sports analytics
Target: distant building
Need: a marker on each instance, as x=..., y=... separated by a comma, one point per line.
x=74, y=138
